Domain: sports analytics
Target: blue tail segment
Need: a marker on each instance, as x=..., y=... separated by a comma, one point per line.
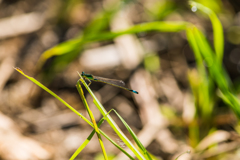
x=134, y=91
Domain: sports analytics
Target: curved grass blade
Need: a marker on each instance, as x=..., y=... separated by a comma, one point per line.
x=135, y=138
x=71, y=108
x=92, y=118
x=84, y=144
x=217, y=71
x=90, y=137
x=194, y=45
x=53, y=94
x=217, y=29
x=201, y=84
x=69, y=46
x=112, y=123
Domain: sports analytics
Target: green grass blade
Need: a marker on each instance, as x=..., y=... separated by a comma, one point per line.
x=217, y=72
x=99, y=23
x=60, y=49
x=75, y=111
x=112, y=123
x=56, y=96
x=84, y=144
x=137, y=141
x=215, y=68
x=90, y=137
x=217, y=29
x=52, y=93
x=201, y=84
x=92, y=118
x=194, y=45
x=73, y=45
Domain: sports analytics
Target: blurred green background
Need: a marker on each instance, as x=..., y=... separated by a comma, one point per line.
x=183, y=58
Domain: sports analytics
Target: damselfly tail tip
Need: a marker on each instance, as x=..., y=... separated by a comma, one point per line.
x=134, y=91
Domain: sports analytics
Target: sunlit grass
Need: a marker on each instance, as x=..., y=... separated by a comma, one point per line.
x=204, y=53
x=209, y=82
x=140, y=153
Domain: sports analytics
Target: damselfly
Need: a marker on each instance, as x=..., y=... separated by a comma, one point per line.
x=113, y=82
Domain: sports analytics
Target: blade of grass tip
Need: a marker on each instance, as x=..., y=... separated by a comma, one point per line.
x=60, y=49
x=80, y=91
x=49, y=91
x=217, y=29
x=138, y=142
x=112, y=123
x=54, y=95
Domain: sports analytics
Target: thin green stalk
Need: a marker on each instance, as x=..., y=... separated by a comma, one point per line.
x=74, y=44
x=112, y=123
x=217, y=29
x=84, y=144
x=194, y=45
x=92, y=118
x=54, y=95
x=134, y=136
x=75, y=111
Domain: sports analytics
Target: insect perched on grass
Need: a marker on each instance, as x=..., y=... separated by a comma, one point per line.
x=113, y=82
